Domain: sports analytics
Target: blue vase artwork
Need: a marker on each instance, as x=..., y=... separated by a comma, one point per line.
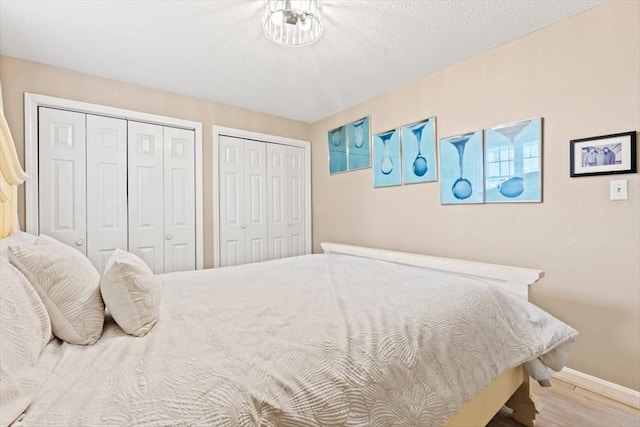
x=461, y=169
x=514, y=186
x=420, y=164
x=386, y=164
x=358, y=144
x=337, y=150
x=358, y=131
x=513, y=162
x=418, y=157
x=461, y=188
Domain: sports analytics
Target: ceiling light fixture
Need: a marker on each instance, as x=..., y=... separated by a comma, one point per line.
x=292, y=22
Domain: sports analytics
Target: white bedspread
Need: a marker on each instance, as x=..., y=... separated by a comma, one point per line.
x=314, y=340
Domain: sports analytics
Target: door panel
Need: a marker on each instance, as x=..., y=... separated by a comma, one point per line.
x=243, y=201
x=146, y=193
x=255, y=201
x=179, y=200
x=62, y=182
x=107, y=181
x=231, y=185
x=296, y=200
x=276, y=192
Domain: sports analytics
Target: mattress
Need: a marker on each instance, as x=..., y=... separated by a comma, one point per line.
x=316, y=340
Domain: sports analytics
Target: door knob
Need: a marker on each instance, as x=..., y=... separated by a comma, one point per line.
x=290, y=224
x=79, y=242
x=243, y=226
x=169, y=236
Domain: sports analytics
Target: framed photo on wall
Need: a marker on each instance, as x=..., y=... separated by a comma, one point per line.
x=386, y=164
x=603, y=155
x=359, y=152
x=461, y=169
x=337, y=140
x=513, y=162
x=419, y=152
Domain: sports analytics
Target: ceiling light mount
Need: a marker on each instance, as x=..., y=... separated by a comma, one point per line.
x=293, y=22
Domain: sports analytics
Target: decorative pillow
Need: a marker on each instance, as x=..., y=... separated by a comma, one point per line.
x=130, y=292
x=16, y=237
x=24, y=331
x=67, y=284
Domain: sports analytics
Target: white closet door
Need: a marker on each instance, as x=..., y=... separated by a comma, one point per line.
x=62, y=183
x=146, y=202
x=106, y=147
x=179, y=200
x=296, y=201
x=277, y=201
x=255, y=201
x=243, y=201
x=231, y=184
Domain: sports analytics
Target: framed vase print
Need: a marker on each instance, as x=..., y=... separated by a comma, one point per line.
x=419, y=152
x=513, y=162
x=386, y=154
x=359, y=146
x=461, y=169
x=337, y=140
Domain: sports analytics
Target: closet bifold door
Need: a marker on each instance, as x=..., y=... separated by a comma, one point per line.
x=107, y=188
x=286, y=198
x=62, y=182
x=179, y=200
x=277, y=201
x=296, y=201
x=146, y=198
x=243, y=201
x=255, y=201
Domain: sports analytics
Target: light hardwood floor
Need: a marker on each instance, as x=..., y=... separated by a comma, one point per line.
x=564, y=405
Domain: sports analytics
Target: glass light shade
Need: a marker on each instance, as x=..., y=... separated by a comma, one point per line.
x=292, y=22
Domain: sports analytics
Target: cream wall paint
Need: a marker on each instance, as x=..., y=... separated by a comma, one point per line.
x=20, y=76
x=582, y=77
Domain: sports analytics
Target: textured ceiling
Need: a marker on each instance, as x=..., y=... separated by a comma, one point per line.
x=217, y=50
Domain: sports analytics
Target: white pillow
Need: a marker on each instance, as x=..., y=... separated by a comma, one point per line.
x=24, y=331
x=130, y=292
x=16, y=237
x=67, y=284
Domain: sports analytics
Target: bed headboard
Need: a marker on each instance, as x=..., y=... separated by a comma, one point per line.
x=11, y=175
x=515, y=279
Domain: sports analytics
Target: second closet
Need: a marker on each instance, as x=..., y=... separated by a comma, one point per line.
x=263, y=205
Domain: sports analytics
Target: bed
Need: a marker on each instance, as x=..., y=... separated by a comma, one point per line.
x=353, y=336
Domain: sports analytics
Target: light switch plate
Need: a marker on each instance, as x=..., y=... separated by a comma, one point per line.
x=618, y=189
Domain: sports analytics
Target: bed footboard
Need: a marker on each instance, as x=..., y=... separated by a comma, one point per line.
x=514, y=279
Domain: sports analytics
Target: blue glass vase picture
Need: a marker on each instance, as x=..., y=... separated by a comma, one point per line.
x=359, y=154
x=337, y=142
x=386, y=159
x=513, y=162
x=461, y=169
x=419, y=152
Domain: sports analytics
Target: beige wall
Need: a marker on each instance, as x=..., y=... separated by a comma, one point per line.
x=582, y=77
x=19, y=76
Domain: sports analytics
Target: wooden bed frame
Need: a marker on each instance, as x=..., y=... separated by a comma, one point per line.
x=512, y=387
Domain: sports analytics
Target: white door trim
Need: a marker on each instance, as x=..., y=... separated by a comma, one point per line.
x=257, y=136
x=33, y=101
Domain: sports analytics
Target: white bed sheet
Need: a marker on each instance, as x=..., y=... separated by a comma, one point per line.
x=312, y=340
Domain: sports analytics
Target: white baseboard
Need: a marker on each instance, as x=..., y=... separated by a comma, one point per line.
x=596, y=385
